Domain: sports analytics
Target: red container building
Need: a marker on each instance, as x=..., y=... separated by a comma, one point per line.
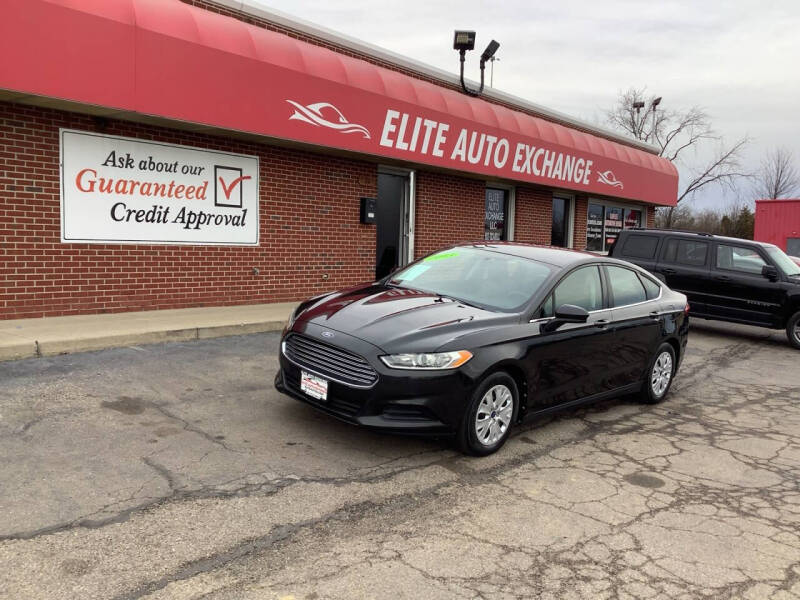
x=778, y=222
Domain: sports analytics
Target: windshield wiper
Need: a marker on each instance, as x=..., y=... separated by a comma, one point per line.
x=434, y=293
x=459, y=300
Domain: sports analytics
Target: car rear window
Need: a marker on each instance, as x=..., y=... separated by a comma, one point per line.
x=640, y=246
x=686, y=252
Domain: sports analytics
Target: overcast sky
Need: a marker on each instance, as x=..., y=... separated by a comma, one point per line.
x=739, y=60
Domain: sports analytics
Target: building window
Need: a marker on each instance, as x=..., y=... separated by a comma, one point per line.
x=495, y=223
x=633, y=218
x=605, y=221
x=560, y=234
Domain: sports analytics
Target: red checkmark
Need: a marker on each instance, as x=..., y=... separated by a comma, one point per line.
x=227, y=189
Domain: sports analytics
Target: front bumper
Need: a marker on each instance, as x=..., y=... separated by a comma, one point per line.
x=410, y=402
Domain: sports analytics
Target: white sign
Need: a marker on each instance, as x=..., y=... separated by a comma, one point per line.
x=128, y=191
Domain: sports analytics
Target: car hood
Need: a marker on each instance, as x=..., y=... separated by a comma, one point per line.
x=397, y=319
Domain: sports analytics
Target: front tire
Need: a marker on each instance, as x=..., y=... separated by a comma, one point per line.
x=491, y=412
x=793, y=330
x=659, y=375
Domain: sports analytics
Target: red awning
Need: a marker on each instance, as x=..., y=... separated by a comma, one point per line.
x=168, y=59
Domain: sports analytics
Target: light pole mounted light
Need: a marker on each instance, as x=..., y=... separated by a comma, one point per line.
x=656, y=102
x=464, y=41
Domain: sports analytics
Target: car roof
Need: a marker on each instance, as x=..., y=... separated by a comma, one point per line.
x=683, y=233
x=560, y=257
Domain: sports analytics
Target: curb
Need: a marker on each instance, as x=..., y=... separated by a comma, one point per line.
x=37, y=349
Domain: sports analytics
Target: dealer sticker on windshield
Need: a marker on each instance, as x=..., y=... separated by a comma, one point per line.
x=314, y=386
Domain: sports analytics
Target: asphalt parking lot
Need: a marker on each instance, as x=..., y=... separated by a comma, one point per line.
x=176, y=471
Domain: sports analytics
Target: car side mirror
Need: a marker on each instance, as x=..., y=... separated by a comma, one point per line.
x=770, y=272
x=566, y=313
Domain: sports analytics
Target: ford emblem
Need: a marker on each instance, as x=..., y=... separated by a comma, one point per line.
x=327, y=334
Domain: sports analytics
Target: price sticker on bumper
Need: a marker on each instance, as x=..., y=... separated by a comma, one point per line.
x=314, y=386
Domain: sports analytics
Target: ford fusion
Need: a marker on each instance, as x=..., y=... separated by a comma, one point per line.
x=470, y=340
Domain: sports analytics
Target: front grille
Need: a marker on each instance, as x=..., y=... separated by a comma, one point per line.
x=330, y=362
x=344, y=407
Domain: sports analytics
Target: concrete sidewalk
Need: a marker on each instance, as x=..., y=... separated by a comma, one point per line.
x=25, y=338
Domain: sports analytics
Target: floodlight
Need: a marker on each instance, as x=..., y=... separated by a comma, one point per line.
x=489, y=52
x=464, y=40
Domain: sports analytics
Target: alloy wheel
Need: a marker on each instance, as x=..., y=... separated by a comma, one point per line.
x=662, y=373
x=493, y=417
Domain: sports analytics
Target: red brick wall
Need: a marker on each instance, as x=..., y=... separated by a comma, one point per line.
x=449, y=209
x=308, y=220
x=533, y=221
x=309, y=227
x=651, y=216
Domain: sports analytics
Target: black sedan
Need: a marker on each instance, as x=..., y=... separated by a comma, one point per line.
x=472, y=339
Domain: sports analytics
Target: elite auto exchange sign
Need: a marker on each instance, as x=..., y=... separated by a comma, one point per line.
x=123, y=190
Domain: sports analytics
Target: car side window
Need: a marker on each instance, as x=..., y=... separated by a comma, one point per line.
x=581, y=288
x=640, y=246
x=739, y=258
x=685, y=252
x=547, y=308
x=626, y=287
x=651, y=288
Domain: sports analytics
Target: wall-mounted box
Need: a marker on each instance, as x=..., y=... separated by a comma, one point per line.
x=368, y=207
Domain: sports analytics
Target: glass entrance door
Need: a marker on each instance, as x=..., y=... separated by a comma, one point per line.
x=391, y=223
x=559, y=234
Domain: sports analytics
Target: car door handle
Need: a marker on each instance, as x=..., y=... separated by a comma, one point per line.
x=601, y=323
x=668, y=271
x=655, y=315
x=722, y=278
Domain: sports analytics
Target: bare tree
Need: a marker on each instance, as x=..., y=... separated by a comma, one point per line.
x=777, y=177
x=674, y=132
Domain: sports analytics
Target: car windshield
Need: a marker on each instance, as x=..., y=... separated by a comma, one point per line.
x=479, y=277
x=784, y=263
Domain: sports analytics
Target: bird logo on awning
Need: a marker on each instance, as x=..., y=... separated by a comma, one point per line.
x=325, y=114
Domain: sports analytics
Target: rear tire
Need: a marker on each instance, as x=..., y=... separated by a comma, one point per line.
x=491, y=412
x=793, y=330
x=659, y=375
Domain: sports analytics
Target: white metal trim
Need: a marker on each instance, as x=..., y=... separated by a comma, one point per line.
x=412, y=202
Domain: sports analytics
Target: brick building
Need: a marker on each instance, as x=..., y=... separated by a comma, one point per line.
x=170, y=153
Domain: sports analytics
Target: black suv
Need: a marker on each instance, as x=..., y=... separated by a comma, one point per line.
x=727, y=279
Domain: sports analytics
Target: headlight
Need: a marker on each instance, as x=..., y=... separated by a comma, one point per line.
x=435, y=360
x=290, y=321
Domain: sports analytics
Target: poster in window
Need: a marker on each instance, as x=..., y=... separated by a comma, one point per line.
x=633, y=218
x=494, y=225
x=594, y=228
x=613, y=224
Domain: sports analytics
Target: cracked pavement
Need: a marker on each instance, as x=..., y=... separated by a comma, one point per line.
x=176, y=471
